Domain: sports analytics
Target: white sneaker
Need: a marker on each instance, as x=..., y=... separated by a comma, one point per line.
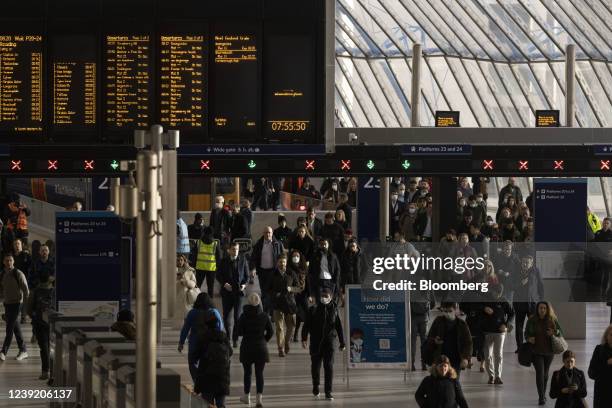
x=259, y=401
x=21, y=356
x=246, y=399
x=2, y=356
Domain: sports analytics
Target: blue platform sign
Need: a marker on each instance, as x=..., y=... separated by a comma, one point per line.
x=560, y=210
x=377, y=327
x=368, y=202
x=89, y=277
x=437, y=150
x=250, y=150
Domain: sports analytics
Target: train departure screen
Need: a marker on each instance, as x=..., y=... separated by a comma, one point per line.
x=288, y=93
x=128, y=79
x=183, y=81
x=74, y=76
x=234, y=83
x=21, y=87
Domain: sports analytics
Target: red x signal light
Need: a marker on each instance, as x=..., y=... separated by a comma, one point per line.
x=204, y=164
x=89, y=164
x=559, y=164
x=16, y=165
x=52, y=164
x=523, y=165
x=487, y=164
x=604, y=165
x=345, y=165
x=310, y=165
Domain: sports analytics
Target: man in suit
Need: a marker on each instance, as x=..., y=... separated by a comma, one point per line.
x=396, y=208
x=233, y=275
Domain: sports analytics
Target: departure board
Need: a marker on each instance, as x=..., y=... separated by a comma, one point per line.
x=235, y=85
x=127, y=81
x=288, y=93
x=21, y=83
x=74, y=76
x=182, y=81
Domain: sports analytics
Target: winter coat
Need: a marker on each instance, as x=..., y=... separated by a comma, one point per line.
x=502, y=314
x=536, y=328
x=186, y=290
x=256, y=330
x=464, y=338
x=220, y=221
x=182, y=237
x=41, y=300
x=235, y=277
x=350, y=267
x=282, y=298
x=440, y=392
x=601, y=372
x=532, y=291
x=283, y=234
x=335, y=233
x=213, y=376
x=305, y=246
x=559, y=381
x=240, y=227
x=301, y=298
x=314, y=272
x=277, y=250
x=323, y=325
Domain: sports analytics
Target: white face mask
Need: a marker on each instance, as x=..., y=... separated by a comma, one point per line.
x=325, y=300
x=296, y=259
x=412, y=210
x=461, y=203
x=479, y=199
x=450, y=315
x=219, y=205
x=402, y=192
x=473, y=205
x=334, y=187
x=489, y=223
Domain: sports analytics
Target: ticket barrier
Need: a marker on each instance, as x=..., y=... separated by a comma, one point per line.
x=76, y=368
x=122, y=388
x=61, y=330
x=52, y=318
x=100, y=360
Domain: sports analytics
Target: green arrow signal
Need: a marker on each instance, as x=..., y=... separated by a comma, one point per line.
x=370, y=165
x=252, y=164
x=114, y=164
x=406, y=164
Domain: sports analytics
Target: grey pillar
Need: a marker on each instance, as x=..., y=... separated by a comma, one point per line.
x=570, y=84
x=384, y=209
x=169, y=210
x=415, y=99
x=146, y=280
x=330, y=66
x=115, y=182
x=605, y=190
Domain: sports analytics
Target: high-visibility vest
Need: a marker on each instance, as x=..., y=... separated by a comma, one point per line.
x=206, y=260
x=594, y=222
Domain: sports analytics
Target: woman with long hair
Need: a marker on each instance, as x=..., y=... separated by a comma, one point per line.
x=539, y=330
x=186, y=287
x=441, y=389
x=303, y=242
x=600, y=370
x=297, y=265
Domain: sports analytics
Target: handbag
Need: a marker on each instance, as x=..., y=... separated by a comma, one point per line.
x=525, y=354
x=558, y=343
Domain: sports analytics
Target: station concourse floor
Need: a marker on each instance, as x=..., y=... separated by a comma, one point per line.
x=288, y=384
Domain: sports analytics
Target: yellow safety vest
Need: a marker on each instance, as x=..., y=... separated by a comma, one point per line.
x=206, y=260
x=594, y=222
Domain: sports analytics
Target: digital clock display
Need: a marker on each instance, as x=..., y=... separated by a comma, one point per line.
x=289, y=125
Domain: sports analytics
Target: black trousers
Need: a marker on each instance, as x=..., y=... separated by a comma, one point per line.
x=325, y=356
x=232, y=309
x=521, y=314
x=259, y=378
x=42, y=336
x=541, y=363
x=419, y=329
x=11, y=311
x=264, y=276
x=210, y=280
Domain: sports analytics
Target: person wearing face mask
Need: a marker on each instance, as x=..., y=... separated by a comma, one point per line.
x=220, y=219
x=464, y=187
x=451, y=337
x=350, y=265
x=423, y=187
x=568, y=385
x=510, y=189
x=539, y=330
x=441, y=389
x=407, y=221
x=207, y=257
x=323, y=326
x=264, y=256
x=233, y=276
x=497, y=316
x=283, y=287
x=395, y=183
x=298, y=266
x=323, y=271
x=528, y=290
x=346, y=208
x=401, y=192
x=478, y=212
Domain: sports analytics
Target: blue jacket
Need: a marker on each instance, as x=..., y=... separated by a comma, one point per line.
x=190, y=320
x=182, y=237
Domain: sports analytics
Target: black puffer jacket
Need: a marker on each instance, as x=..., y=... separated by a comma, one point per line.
x=214, y=364
x=601, y=372
x=440, y=392
x=323, y=325
x=256, y=330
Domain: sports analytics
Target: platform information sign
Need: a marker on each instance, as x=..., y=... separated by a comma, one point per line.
x=377, y=325
x=89, y=277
